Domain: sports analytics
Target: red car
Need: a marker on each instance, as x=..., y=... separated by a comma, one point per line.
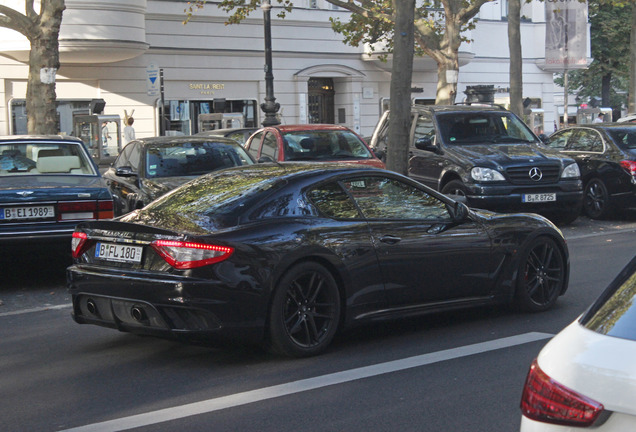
x=310, y=142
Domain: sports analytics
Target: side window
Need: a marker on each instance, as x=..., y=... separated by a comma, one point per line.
x=255, y=145
x=385, y=198
x=270, y=146
x=424, y=128
x=559, y=140
x=332, y=201
x=586, y=141
x=134, y=156
x=122, y=159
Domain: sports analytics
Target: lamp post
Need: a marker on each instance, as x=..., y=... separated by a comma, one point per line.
x=270, y=106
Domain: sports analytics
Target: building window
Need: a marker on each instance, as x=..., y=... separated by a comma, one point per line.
x=186, y=117
x=65, y=111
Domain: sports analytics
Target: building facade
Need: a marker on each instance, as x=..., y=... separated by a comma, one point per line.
x=119, y=50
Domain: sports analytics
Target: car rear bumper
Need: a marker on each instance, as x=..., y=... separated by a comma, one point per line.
x=177, y=307
x=55, y=234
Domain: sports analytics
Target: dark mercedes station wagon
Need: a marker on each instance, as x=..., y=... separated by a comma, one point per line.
x=489, y=155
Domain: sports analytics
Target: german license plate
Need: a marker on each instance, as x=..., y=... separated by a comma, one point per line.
x=118, y=252
x=31, y=212
x=540, y=197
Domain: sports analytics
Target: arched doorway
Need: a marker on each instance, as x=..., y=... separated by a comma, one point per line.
x=321, y=100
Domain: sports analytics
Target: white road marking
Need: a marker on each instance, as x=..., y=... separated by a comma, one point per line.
x=210, y=405
x=38, y=309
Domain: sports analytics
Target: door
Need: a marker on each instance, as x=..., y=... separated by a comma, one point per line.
x=321, y=100
x=425, y=165
x=125, y=187
x=424, y=256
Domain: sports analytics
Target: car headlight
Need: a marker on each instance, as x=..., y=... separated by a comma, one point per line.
x=571, y=171
x=486, y=174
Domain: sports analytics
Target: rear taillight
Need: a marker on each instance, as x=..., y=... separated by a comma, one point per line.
x=85, y=210
x=78, y=243
x=186, y=255
x=548, y=401
x=105, y=209
x=630, y=166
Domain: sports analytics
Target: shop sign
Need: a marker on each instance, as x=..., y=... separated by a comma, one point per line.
x=206, y=88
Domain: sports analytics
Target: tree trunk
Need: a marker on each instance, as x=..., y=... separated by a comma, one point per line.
x=606, y=85
x=446, y=91
x=448, y=59
x=631, y=105
x=401, y=77
x=44, y=61
x=516, y=60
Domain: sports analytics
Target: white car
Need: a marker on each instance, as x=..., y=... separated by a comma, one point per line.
x=585, y=377
x=629, y=118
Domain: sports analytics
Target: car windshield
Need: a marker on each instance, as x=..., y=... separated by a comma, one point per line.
x=324, y=145
x=483, y=128
x=614, y=313
x=193, y=158
x=625, y=137
x=44, y=158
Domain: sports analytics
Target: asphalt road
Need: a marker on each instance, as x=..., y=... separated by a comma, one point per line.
x=459, y=371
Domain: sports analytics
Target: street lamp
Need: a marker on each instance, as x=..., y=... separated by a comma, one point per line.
x=270, y=106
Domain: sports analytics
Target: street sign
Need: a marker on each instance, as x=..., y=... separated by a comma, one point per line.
x=152, y=80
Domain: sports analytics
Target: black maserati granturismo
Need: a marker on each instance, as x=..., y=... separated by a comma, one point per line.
x=287, y=254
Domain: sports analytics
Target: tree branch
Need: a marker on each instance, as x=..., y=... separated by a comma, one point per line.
x=14, y=20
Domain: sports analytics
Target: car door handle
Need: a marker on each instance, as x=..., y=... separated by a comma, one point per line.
x=389, y=239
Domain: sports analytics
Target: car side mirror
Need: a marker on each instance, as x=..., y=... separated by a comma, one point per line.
x=425, y=143
x=380, y=154
x=265, y=159
x=125, y=171
x=459, y=212
x=544, y=138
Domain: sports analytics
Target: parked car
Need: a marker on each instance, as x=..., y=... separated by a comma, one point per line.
x=240, y=135
x=149, y=167
x=606, y=155
x=310, y=142
x=288, y=253
x=47, y=185
x=490, y=156
x=629, y=118
x=584, y=378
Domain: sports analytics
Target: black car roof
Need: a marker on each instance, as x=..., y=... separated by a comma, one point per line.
x=167, y=140
x=458, y=108
x=299, y=169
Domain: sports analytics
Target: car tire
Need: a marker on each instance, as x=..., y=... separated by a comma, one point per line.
x=541, y=275
x=454, y=187
x=596, y=202
x=305, y=311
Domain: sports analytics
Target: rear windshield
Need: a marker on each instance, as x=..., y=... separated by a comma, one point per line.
x=625, y=138
x=44, y=158
x=483, y=128
x=214, y=201
x=614, y=313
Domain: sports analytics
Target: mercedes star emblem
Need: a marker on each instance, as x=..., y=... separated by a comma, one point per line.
x=535, y=174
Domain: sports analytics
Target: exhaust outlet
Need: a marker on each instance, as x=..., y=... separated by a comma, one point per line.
x=91, y=307
x=138, y=314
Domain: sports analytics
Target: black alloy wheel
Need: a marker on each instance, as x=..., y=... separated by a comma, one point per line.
x=454, y=187
x=541, y=275
x=596, y=203
x=305, y=311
